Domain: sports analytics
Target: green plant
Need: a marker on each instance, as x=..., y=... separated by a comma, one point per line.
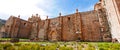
x=6, y=45
x=11, y=48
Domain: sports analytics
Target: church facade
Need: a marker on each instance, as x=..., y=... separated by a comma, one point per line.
x=84, y=26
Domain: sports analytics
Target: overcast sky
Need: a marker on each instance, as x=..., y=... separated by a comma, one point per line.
x=25, y=8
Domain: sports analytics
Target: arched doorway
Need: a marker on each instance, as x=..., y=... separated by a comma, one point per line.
x=53, y=36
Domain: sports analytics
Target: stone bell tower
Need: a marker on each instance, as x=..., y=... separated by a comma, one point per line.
x=112, y=8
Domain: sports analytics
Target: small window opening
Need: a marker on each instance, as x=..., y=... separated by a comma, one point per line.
x=7, y=26
x=24, y=23
x=68, y=18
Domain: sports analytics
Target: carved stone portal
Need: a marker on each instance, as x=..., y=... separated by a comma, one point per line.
x=53, y=36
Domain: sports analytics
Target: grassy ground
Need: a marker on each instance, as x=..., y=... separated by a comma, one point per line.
x=10, y=39
x=59, y=46
x=4, y=38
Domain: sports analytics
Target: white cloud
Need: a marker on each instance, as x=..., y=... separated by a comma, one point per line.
x=91, y=7
x=25, y=8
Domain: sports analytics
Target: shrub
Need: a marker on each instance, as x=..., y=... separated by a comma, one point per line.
x=66, y=48
x=25, y=47
x=11, y=48
x=115, y=46
x=5, y=46
x=79, y=47
x=90, y=47
x=1, y=47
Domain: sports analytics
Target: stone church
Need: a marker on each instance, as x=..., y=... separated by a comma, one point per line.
x=94, y=25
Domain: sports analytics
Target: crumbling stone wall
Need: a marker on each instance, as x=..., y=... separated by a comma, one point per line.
x=111, y=8
x=17, y=28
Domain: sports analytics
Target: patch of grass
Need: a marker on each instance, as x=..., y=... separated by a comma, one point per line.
x=4, y=38
x=10, y=39
x=60, y=46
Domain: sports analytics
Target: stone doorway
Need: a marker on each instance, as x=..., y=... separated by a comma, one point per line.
x=53, y=36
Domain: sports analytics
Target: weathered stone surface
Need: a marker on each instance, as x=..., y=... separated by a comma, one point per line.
x=16, y=27
x=112, y=8
x=83, y=26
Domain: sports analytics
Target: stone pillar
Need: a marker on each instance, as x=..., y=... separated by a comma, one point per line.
x=78, y=25
x=61, y=26
x=46, y=28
